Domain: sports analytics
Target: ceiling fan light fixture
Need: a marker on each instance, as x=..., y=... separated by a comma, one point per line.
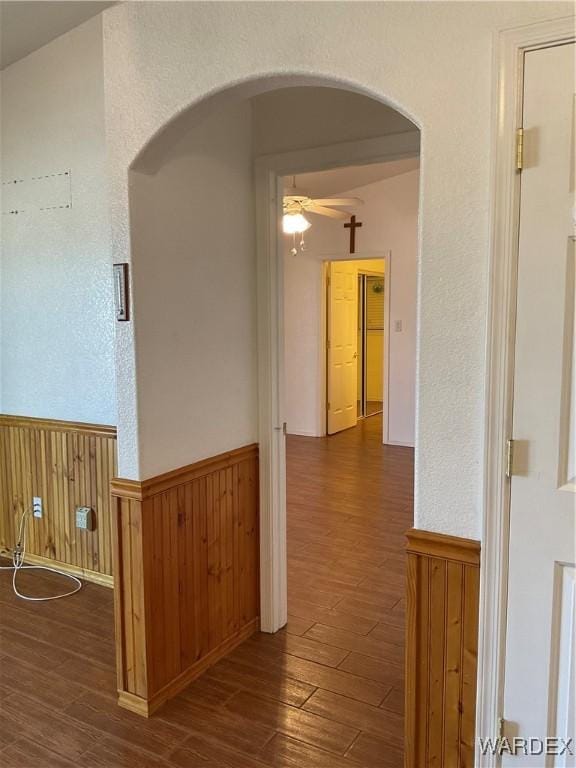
x=294, y=223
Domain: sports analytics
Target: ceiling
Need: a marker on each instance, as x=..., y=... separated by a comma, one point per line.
x=338, y=180
x=26, y=26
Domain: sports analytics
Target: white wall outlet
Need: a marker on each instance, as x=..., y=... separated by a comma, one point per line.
x=37, y=506
x=85, y=518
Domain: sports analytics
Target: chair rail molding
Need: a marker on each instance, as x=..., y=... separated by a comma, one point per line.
x=509, y=49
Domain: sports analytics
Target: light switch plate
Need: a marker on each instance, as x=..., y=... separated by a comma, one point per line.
x=37, y=506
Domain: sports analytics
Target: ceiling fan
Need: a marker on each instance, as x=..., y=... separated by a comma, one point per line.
x=296, y=202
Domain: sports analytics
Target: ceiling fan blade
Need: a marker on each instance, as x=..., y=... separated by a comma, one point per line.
x=338, y=201
x=323, y=211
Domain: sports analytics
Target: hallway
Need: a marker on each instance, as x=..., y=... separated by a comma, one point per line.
x=350, y=502
x=325, y=693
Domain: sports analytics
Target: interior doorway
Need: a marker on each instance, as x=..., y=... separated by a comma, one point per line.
x=371, y=351
x=348, y=494
x=356, y=343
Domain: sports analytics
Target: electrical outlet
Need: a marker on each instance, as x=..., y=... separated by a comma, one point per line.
x=37, y=506
x=398, y=326
x=85, y=518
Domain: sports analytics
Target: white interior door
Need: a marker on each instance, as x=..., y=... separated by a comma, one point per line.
x=539, y=695
x=342, y=346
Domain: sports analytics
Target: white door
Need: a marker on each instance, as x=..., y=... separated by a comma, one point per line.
x=342, y=346
x=539, y=695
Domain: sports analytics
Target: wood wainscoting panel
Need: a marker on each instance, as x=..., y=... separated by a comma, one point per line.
x=68, y=465
x=187, y=573
x=441, y=650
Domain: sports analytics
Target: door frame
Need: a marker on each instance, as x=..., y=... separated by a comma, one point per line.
x=510, y=46
x=386, y=257
x=268, y=173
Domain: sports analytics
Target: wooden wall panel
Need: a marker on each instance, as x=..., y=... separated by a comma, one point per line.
x=441, y=650
x=68, y=465
x=187, y=573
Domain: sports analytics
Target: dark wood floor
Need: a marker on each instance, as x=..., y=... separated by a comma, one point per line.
x=326, y=692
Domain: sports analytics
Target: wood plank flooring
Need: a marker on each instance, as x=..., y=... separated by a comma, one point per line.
x=327, y=692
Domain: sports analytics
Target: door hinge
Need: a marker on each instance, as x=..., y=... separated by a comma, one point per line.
x=501, y=727
x=519, y=149
x=327, y=343
x=328, y=404
x=509, y=457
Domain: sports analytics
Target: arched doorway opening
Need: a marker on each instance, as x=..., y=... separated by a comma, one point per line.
x=207, y=275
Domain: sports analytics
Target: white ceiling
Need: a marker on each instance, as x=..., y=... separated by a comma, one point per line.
x=26, y=26
x=338, y=180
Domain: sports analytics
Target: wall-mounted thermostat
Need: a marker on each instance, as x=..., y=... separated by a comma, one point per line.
x=121, y=299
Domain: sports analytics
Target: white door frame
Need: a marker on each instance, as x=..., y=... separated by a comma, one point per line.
x=386, y=257
x=269, y=170
x=509, y=52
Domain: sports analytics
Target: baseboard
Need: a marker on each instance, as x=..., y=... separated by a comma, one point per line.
x=303, y=433
x=398, y=443
x=134, y=703
x=102, y=579
x=146, y=708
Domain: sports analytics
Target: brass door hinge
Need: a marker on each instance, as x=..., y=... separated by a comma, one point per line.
x=509, y=457
x=519, y=149
x=328, y=404
x=501, y=727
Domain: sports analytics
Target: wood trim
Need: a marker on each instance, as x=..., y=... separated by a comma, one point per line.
x=186, y=560
x=54, y=425
x=443, y=546
x=441, y=650
x=68, y=465
x=145, y=489
x=146, y=708
x=126, y=489
x=103, y=579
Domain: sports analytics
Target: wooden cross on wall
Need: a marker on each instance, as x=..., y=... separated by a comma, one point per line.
x=352, y=225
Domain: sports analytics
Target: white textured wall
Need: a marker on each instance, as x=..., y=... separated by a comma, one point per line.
x=389, y=223
x=432, y=60
x=304, y=334
x=194, y=281
x=56, y=315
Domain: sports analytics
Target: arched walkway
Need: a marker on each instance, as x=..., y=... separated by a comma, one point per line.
x=201, y=541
